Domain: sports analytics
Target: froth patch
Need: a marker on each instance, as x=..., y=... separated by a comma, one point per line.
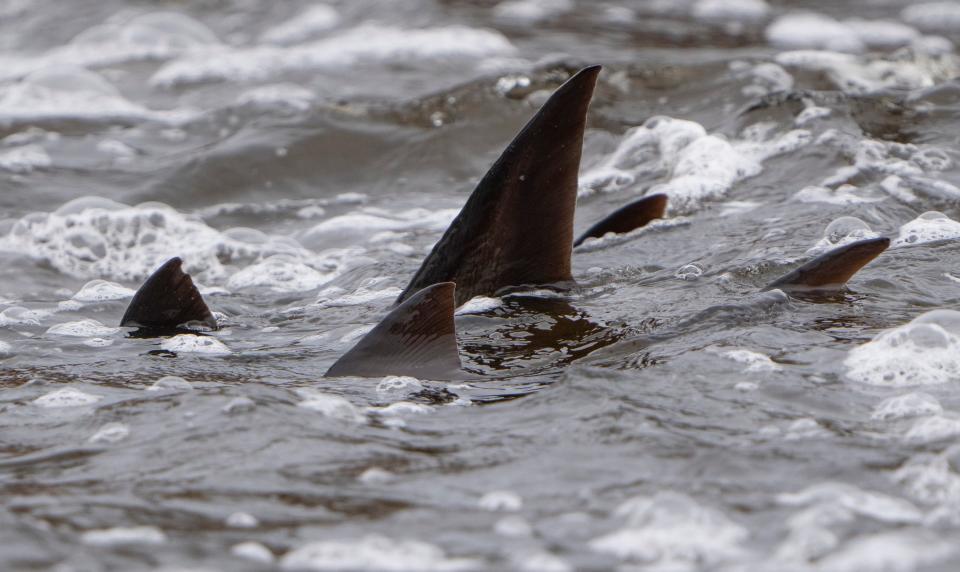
x=673, y=531
x=698, y=166
x=925, y=351
x=124, y=536
x=367, y=43
x=374, y=553
x=82, y=329
x=931, y=226
x=190, y=343
x=280, y=273
x=66, y=397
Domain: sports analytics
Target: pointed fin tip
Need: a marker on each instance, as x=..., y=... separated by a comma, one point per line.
x=167, y=300
x=418, y=338
x=832, y=269
x=517, y=226
x=630, y=217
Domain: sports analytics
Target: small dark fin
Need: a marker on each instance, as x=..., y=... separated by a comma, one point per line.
x=631, y=217
x=417, y=338
x=832, y=269
x=517, y=226
x=166, y=300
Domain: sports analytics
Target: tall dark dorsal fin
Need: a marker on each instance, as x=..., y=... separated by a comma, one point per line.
x=517, y=226
x=630, y=217
x=417, y=338
x=832, y=269
x=167, y=299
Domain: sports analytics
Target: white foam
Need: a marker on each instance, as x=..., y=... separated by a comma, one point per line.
x=812, y=30
x=531, y=11
x=82, y=329
x=767, y=78
x=915, y=404
x=842, y=195
x=895, y=551
x=329, y=405
x=543, y=562
x=805, y=428
x=190, y=343
x=72, y=93
x=923, y=352
x=374, y=553
x=94, y=237
x=933, y=16
x=755, y=361
x=842, y=231
x=365, y=224
x=730, y=10
x=401, y=408
x=365, y=294
x=170, y=383
x=252, y=551
x=124, y=536
x=877, y=506
x=102, y=291
x=881, y=34
x=513, y=526
x=930, y=226
x=507, y=501
x=20, y=316
x=862, y=75
x=367, y=43
x=26, y=159
x=933, y=428
x=110, y=433
x=242, y=520
x=281, y=96
x=929, y=479
x=673, y=531
x=240, y=404
x=280, y=273
x=308, y=24
x=6, y=350
x=398, y=385
x=375, y=476
x=700, y=166
x=66, y=397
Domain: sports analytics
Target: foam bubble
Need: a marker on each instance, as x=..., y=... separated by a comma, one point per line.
x=20, y=316
x=673, y=531
x=170, y=383
x=281, y=96
x=908, y=405
x=366, y=43
x=329, y=405
x=242, y=520
x=870, y=504
x=889, y=551
x=866, y=75
x=102, y=291
x=931, y=226
x=531, y=11
x=304, y=26
x=110, y=433
x=700, y=166
x=73, y=93
x=6, y=350
x=280, y=273
x=812, y=30
x=82, y=329
x=933, y=16
x=374, y=553
x=755, y=361
x=191, y=343
x=841, y=231
x=66, y=397
x=252, y=551
x=375, y=476
x=933, y=428
x=923, y=352
x=94, y=237
x=507, y=501
x=124, y=536
x=842, y=195
x=730, y=10
x=928, y=478
x=26, y=159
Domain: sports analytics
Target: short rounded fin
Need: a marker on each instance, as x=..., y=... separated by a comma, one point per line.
x=167, y=300
x=627, y=218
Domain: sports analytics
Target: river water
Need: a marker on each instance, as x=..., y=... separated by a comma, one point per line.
x=303, y=158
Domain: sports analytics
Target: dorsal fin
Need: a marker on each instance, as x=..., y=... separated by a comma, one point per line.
x=832, y=269
x=517, y=226
x=630, y=217
x=166, y=300
x=417, y=338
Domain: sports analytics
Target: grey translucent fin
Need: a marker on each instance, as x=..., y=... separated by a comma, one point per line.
x=166, y=300
x=832, y=269
x=417, y=338
x=630, y=217
x=517, y=226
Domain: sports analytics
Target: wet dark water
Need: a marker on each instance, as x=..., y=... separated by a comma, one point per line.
x=303, y=159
